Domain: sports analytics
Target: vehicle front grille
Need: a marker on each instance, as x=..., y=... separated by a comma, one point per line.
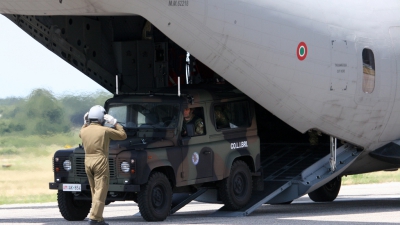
x=111, y=162
x=80, y=167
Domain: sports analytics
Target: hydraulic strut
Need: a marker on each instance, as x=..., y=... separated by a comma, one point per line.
x=332, y=159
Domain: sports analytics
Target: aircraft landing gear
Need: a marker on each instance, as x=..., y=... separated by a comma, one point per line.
x=328, y=192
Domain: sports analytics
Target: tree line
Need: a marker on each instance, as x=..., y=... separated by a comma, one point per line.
x=42, y=113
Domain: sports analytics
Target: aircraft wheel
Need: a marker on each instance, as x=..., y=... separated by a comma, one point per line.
x=235, y=190
x=155, y=198
x=72, y=210
x=282, y=203
x=328, y=192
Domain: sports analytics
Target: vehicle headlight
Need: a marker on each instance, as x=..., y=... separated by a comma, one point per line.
x=125, y=167
x=67, y=165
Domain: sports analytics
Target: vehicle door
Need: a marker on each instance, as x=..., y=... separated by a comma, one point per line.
x=198, y=158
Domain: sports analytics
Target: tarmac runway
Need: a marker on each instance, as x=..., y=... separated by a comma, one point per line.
x=356, y=204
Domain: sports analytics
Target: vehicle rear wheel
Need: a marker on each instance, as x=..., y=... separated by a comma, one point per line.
x=328, y=192
x=235, y=190
x=72, y=210
x=155, y=198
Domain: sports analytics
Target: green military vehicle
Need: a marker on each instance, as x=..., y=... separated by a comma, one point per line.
x=163, y=165
x=243, y=156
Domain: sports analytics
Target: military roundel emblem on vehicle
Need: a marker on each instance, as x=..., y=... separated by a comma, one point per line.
x=302, y=51
x=195, y=158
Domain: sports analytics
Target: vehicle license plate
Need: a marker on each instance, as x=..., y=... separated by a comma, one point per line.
x=71, y=187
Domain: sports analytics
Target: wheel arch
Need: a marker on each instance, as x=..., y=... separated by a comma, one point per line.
x=249, y=161
x=168, y=171
x=234, y=156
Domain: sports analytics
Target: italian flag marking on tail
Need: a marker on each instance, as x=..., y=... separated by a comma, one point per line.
x=302, y=51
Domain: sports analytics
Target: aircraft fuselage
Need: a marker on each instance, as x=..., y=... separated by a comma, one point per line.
x=330, y=66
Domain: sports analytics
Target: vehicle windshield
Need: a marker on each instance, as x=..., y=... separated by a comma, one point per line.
x=146, y=115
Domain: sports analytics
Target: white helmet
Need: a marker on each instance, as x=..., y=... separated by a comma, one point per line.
x=96, y=114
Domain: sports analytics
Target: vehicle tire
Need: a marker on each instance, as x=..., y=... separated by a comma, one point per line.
x=72, y=210
x=155, y=198
x=235, y=190
x=328, y=192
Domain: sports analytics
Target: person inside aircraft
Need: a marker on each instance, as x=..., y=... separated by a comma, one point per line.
x=219, y=79
x=313, y=136
x=190, y=118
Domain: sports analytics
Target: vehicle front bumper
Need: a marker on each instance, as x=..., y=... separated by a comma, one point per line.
x=111, y=187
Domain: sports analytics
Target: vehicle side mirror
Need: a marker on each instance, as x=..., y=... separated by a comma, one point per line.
x=190, y=130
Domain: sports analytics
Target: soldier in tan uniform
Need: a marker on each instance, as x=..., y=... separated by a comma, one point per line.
x=190, y=118
x=96, y=140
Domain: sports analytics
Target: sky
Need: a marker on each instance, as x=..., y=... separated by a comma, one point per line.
x=26, y=65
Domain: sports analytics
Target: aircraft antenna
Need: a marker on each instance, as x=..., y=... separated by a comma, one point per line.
x=116, y=84
x=179, y=86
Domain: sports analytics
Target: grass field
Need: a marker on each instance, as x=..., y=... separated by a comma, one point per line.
x=375, y=177
x=30, y=159
x=27, y=178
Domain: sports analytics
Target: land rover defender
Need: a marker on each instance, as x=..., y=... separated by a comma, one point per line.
x=157, y=161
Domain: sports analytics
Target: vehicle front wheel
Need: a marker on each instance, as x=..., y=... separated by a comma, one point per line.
x=72, y=210
x=155, y=198
x=235, y=190
x=328, y=192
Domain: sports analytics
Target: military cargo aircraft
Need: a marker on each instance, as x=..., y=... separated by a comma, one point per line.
x=321, y=67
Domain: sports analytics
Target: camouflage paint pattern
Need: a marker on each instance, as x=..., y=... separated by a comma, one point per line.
x=185, y=160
